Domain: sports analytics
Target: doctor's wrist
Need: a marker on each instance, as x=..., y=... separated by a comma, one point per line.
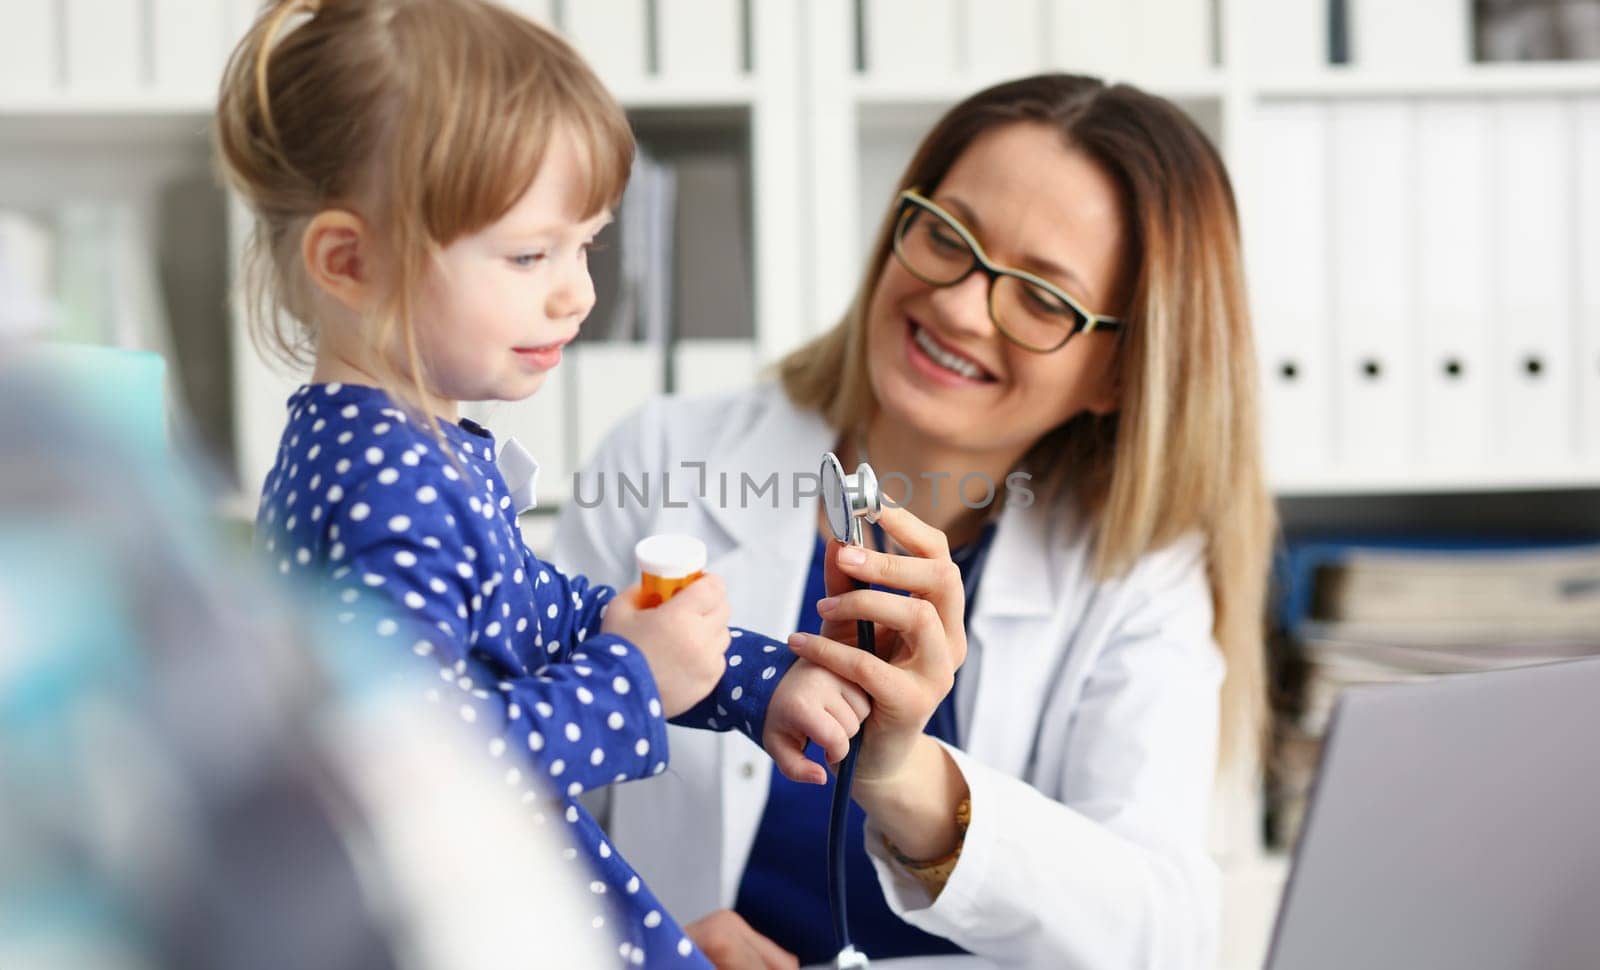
x=917, y=807
x=934, y=873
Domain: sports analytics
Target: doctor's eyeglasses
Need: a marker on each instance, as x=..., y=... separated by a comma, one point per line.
x=1030, y=311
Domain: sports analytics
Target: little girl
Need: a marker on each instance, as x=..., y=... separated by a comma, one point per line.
x=427, y=177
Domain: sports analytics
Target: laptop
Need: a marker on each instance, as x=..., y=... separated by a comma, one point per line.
x=1453, y=824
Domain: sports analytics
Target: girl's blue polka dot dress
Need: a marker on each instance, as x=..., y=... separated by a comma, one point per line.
x=365, y=500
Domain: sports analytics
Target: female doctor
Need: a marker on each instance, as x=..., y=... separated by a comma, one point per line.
x=1049, y=363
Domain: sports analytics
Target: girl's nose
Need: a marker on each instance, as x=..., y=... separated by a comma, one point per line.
x=573, y=293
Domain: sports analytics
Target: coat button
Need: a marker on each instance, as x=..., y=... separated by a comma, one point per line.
x=747, y=770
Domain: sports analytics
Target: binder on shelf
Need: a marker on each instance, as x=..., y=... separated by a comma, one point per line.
x=633, y=280
x=609, y=381
x=107, y=284
x=1455, y=595
x=28, y=48
x=1454, y=581
x=1338, y=32
x=103, y=45
x=85, y=264
x=712, y=366
x=1092, y=37
x=190, y=41
x=543, y=425
x=701, y=39
x=1410, y=35
x=1454, y=296
x=883, y=148
x=709, y=242
x=541, y=11
x=1003, y=38
x=241, y=15
x=1286, y=37
x=1533, y=260
x=1172, y=37
x=1588, y=209
x=910, y=38
x=1370, y=149
x=139, y=308
x=611, y=35
x=1286, y=244
x=261, y=388
x=1556, y=31
x=27, y=250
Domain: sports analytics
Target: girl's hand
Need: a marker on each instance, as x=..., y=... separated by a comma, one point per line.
x=812, y=704
x=921, y=638
x=685, y=640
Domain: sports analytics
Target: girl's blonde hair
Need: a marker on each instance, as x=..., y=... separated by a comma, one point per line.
x=428, y=118
x=1183, y=451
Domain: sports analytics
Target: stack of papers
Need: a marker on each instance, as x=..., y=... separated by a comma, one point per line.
x=1387, y=614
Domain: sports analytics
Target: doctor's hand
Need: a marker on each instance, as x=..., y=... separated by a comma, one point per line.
x=921, y=638
x=732, y=944
x=812, y=703
x=684, y=640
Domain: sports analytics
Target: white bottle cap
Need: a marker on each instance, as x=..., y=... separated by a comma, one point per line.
x=670, y=556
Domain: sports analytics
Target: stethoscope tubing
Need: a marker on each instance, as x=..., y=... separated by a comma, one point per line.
x=839, y=813
x=865, y=503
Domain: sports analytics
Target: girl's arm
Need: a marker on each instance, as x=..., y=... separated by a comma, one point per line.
x=755, y=663
x=599, y=541
x=590, y=719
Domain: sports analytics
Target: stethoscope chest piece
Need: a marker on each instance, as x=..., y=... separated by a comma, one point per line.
x=849, y=498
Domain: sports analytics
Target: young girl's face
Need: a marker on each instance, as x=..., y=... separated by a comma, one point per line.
x=501, y=303
x=1034, y=204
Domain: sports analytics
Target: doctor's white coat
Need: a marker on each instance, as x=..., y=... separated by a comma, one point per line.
x=1087, y=710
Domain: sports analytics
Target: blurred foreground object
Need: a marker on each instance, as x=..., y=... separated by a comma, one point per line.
x=191, y=774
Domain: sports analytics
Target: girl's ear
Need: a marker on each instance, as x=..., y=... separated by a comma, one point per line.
x=336, y=249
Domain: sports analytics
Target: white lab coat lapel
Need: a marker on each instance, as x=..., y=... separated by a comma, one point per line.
x=774, y=543
x=1015, y=634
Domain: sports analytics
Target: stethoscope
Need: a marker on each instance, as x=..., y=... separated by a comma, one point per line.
x=847, y=499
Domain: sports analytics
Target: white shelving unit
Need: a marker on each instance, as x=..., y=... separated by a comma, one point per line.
x=734, y=69
x=830, y=97
x=867, y=106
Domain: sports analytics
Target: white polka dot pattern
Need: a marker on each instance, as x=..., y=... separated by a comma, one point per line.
x=420, y=539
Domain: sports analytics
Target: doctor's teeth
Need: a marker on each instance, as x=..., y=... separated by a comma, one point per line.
x=945, y=359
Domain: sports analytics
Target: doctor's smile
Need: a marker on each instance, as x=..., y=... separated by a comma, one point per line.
x=943, y=363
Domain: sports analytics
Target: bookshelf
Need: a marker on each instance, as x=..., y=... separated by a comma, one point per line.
x=818, y=103
x=697, y=77
x=868, y=104
x=1471, y=80
x=871, y=119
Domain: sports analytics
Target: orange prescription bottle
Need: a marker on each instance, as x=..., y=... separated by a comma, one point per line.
x=667, y=563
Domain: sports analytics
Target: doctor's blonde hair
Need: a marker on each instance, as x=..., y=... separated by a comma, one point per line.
x=1182, y=453
x=428, y=119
